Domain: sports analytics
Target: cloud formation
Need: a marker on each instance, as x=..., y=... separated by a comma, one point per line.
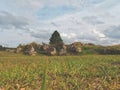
x=8, y=21
x=95, y=21
x=113, y=32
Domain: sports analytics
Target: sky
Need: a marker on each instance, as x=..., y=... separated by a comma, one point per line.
x=87, y=21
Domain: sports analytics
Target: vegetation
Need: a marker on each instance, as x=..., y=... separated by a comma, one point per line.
x=91, y=69
x=99, y=49
x=56, y=46
x=85, y=72
x=56, y=38
x=2, y=48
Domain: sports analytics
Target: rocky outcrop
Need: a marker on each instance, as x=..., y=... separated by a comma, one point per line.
x=18, y=50
x=51, y=51
x=63, y=50
x=44, y=47
x=29, y=50
x=57, y=49
x=75, y=47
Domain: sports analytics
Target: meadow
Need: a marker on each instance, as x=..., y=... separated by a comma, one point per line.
x=84, y=72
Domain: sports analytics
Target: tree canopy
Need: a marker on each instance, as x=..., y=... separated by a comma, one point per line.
x=56, y=38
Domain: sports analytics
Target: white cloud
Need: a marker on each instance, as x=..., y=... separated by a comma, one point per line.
x=99, y=34
x=8, y=21
x=91, y=20
x=69, y=35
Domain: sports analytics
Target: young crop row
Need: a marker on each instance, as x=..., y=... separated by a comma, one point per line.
x=87, y=72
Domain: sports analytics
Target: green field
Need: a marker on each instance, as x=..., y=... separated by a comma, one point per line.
x=85, y=72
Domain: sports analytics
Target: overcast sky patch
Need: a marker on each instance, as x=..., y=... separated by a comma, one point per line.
x=96, y=21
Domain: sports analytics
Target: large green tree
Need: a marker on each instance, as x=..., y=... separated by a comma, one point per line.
x=56, y=38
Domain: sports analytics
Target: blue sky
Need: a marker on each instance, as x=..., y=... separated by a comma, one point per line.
x=25, y=21
x=47, y=12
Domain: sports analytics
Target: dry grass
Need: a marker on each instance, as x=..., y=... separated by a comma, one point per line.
x=87, y=72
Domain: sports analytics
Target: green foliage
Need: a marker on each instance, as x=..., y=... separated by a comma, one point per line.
x=43, y=87
x=98, y=49
x=55, y=38
x=2, y=48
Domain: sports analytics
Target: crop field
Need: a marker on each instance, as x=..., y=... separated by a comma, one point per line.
x=85, y=72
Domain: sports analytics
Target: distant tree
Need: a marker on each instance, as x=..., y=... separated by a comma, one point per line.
x=56, y=38
x=1, y=47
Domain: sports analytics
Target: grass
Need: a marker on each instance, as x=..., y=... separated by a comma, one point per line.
x=85, y=72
